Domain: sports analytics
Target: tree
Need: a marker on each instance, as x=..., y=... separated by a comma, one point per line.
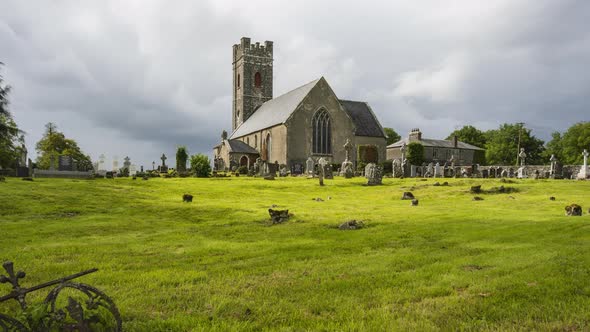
x=392, y=136
x=200, y=165
x=469, y=135
x=181, y=158
x=502, y=145
x=572, y=143
x=11, y=137
x=554, y=146
x=415, y=154
x=54, y=143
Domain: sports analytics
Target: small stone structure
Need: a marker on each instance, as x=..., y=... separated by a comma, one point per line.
x=351, y=225
x=278, y=216
x=573, y=210
x=407, y=196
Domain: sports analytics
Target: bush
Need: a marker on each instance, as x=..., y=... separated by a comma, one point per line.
x=242, y=170
x=415, y=154
x=200, y=165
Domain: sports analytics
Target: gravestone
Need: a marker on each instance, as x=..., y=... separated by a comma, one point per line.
x=521, y=172
x=511, y=172
x=412, y=171
x=346, y=169
x=132, y=170
x=522, y=156
x=163, y=167
x=309, y=166
x=397, y=168
x=322, y=169
x=484, y=173
x=126, y=163
x=438, y=170
x=583, y=174
x=297, y=169
x=65, y=163
x=492, y=172
x=374, y=174
x=115, y=168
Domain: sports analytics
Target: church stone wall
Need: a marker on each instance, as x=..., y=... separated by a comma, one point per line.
x=299, y=140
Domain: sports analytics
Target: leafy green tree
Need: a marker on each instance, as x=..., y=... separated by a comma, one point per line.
x=392, y=135
x=415, y=154
x=181, y=158
x=573, y=142
x=54, y=143
x=554, y=146
x=200, y=165
x=11, y=137
x=469, y=135
x=502, y=145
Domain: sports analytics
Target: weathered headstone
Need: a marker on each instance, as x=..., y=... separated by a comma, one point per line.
x=522, y=156
x=346, y=169
x=309, y=166
x=374, y=174
x=297, y=169
x=583, y=174
x=438, y=170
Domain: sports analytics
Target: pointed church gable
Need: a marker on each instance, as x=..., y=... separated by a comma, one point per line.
x=364, y=119
x=275, y=111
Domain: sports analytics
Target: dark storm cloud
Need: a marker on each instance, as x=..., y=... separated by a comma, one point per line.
x=139, y=78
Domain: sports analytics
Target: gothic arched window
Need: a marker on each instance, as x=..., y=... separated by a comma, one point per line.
x=322, y=133
x=257, y=80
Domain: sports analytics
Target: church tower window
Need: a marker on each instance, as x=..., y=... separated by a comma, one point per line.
x=257, y=80
x=238, y=81
x=322, y=133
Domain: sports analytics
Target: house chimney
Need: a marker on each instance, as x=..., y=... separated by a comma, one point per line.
x=415, y=135
x=455, y=141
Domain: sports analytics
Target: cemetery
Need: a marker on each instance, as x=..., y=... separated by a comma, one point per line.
x=359, y=253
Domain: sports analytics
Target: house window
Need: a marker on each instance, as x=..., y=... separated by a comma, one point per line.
x=434, y=153
x=257, y=80
x=322, y=133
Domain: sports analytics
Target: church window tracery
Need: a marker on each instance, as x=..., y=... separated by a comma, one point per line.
x=322, y=133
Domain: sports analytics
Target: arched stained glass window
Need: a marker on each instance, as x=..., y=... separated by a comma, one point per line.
x=322, y=133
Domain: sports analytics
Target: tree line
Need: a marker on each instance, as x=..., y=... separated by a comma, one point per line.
x=502, y=145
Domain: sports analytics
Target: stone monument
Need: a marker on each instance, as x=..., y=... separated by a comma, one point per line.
x=163, y=167
x=309, y=164
x=374, y=174
x=346, y=169
x=583, y=174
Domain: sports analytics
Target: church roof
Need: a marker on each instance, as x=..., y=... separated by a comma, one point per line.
x=275, y=111
x=240, y=147
x=437, y=143
x=364, y=119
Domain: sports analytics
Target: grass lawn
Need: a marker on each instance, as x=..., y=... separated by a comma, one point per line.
x=510, y=262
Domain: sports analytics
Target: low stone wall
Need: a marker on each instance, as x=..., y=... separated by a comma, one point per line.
x=543, y=171
x=43, y=173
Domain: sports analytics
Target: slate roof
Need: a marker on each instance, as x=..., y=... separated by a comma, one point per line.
x=240, y=147
x=364, y=119
x=275, y=111
x=437, y=143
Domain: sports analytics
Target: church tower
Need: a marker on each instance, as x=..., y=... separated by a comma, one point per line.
x=252, y=70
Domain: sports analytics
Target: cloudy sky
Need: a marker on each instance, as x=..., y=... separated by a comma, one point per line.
x=140, y=77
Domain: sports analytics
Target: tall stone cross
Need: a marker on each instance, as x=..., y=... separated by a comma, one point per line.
x=163, y=159
x=522, y=156
x=347, y=148
x=403, y=151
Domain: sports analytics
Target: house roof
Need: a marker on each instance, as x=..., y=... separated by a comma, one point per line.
x=240, y=147
x=275, y=111
x=364, y=119
x=437, y=143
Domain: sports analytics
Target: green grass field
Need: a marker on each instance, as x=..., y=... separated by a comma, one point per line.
x=510, y=262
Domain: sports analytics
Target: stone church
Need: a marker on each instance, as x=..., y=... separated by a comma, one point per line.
x=309, y=121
